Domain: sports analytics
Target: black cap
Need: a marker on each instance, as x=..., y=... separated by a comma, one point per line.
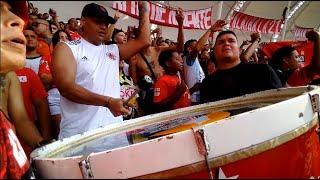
x=97, y=11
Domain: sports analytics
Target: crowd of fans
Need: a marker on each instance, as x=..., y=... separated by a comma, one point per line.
x=86, y=73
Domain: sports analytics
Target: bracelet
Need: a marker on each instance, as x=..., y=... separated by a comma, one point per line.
x=107, y=102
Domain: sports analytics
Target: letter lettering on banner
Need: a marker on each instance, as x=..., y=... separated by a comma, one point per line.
x=254, y=26
x=244, y=21
x=165, y=16
x=207, y=19
x=134, y=8
x=121, y=5
x=159, y=12
x=271, y=26
x=195, y=20
x=187, y=19
x=152, y=11
x=200, y=16
x=172, y=17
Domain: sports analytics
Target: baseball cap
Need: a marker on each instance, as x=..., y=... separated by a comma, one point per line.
x=19, y=8
x=97, y=11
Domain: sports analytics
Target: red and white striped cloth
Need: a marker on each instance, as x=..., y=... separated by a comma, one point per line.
x=246, y=22
x=300, y=32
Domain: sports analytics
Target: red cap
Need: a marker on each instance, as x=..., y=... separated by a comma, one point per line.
x=20, y=8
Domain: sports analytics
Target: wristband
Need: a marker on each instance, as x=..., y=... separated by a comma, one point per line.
x=107, y=102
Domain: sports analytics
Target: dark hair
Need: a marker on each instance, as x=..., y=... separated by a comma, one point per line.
x=276, y=63
x=56, y=37
x=164, y=57
x=187, y=44
x=50, y=26
x=278, y=55
x=226, y=32
x=70, y=20
x=213, y=57
x=114, y=33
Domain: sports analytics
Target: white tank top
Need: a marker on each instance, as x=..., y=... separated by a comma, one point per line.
x=193, y=74
x=97, y=71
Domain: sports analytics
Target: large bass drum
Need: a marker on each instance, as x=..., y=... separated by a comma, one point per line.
x=270, y=134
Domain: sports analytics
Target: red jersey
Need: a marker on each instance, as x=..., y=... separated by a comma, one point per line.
x=299, y=78
x=44, y=66
x=74, y=35
x=32, y=89
x=13, y=161
x=167, y=85
x=44, y=49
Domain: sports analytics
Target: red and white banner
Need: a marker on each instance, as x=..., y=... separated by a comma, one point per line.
x=246, y=22
x=300, y=32
x=162, y=15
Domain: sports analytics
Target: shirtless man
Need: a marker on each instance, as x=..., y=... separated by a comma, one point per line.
x=140, y=72
x=138, y=68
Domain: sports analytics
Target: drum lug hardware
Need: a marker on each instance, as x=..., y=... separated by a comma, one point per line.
x=85, y=167
x=315, y=103
x=316, y=108
x=203, y=147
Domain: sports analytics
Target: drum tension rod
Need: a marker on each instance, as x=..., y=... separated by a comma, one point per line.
x=85, y=167
x=203, y=147
x=316, y=108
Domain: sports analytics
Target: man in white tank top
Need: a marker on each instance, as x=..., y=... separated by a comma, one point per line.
x=86, y=73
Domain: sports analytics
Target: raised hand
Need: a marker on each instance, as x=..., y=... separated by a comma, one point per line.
x=312, y=35
x=180, y=16
x=117, y=108
x=157, y=31
x=255, y=36
x=116, y=15
x=218, y=25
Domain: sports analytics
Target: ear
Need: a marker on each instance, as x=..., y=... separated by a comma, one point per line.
x=82, y=22
x=167, y=63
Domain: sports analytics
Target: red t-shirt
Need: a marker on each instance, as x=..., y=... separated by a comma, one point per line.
x=44, y=66
x=299, y=78
x=32, y=89
x=44, y=49
x=74, y=35
x=165, y=86
x=13, y=161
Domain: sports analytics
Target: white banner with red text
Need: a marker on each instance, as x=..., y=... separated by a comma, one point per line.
x=250, y=23
x=165, y=15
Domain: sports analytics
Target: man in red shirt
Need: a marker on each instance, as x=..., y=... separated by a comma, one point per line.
x=73, y=28
x=170, y=91
x=285, y=63
x=34, y=95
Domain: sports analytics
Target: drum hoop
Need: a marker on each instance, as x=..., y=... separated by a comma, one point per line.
x=237, y=155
